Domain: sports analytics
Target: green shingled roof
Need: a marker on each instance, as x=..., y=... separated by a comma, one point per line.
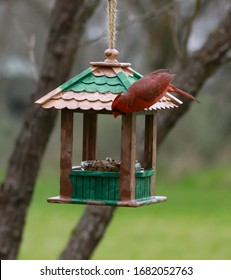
x=88, y=82
x=96, y=87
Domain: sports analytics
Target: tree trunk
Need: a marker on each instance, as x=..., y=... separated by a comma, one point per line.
x=199, y=67
x=67, y=26
x=190, y=77
x=86, y=235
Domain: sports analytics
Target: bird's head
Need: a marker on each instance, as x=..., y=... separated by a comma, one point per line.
x=115, y=113
x=116, y=105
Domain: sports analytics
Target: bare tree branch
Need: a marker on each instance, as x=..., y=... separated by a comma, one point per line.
x=188, y=28
x=174, y=31
x=200, y=66
x=17, y=189
x=29, y=42
x=180, y=44
x=226, y=59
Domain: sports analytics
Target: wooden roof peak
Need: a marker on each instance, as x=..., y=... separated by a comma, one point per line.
x=111, y=60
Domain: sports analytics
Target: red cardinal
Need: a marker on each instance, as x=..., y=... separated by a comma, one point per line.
x=145, y=92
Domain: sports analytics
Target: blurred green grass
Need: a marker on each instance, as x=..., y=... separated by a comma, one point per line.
x=193, y=224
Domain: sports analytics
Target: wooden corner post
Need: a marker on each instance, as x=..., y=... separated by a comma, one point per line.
x=150, y=147
x=66, y=152
x=89, y=136
x=128, y=157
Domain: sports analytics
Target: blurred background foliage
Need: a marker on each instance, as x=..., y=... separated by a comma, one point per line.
x=193, y=162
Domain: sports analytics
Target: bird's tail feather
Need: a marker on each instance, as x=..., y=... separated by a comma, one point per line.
x=172, y=88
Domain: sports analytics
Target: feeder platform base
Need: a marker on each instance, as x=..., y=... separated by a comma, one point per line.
x=125, y=203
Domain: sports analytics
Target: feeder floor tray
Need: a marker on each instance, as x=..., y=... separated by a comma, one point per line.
x=126, y=203
x=102, y=188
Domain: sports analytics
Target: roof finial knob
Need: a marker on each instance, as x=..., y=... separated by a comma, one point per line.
x=111, y=55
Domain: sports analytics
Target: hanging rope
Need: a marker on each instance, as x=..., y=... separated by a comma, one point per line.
x=111, y=13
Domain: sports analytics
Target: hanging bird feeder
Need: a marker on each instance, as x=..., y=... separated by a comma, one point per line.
x=105, y=182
